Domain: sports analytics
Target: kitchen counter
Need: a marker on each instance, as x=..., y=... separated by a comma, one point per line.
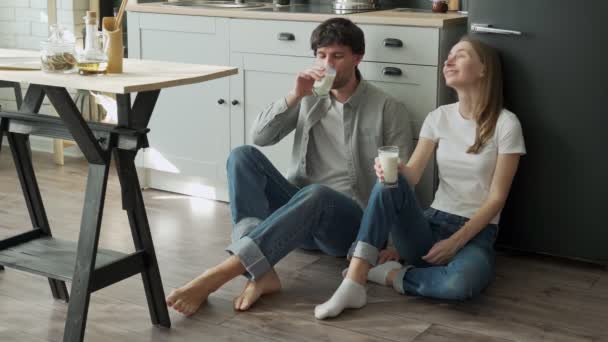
x=385, y=17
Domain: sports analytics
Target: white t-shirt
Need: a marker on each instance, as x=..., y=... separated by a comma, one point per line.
x=465, y=178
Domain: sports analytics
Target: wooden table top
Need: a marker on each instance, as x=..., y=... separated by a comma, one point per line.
x=138, y=75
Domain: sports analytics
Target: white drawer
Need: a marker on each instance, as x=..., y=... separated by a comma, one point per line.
x=271, y=37
x=401, y=44
x=393, y=44
x=177, y=23
x=414, y=85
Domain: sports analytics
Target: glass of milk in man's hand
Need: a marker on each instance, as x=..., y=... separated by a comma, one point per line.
x=389, y=160
x=323, y=86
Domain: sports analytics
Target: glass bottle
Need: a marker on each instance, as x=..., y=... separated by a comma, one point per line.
x=93, y=60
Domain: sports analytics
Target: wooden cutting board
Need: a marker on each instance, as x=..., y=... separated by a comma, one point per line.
x=19, y=60
x=20, y=63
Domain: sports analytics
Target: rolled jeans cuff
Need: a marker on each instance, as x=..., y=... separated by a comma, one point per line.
x=398, y=281
x=365, y=251
x=250, y=256
x=244, y=227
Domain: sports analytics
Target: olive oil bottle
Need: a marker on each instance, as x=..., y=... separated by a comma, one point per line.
x=92, y=68
x=93, y=60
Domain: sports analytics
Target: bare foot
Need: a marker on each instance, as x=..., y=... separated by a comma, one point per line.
x=269, y=283
x=188, y=298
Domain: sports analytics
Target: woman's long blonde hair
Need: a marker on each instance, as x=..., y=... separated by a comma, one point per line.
x=491, y=100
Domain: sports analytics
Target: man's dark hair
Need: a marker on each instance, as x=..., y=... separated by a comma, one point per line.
x=338, y=31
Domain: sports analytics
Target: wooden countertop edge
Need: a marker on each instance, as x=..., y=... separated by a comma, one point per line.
x=110, y=83
x=133, y=88
x=386, y=17
x=183, y=81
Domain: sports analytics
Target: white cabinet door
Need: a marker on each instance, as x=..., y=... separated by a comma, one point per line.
x=189, y=140
x=262, y=79
x=419, y=97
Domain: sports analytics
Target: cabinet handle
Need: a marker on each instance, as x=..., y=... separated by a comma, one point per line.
x=393, y=42
x=286, y=36
x=235, y=102
x=221, y=101
x=391, y=71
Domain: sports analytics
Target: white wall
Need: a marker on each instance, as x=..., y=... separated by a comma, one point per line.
x=23, y=25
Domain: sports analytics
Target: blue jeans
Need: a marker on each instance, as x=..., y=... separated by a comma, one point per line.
x=414, y=231
x=271, y=217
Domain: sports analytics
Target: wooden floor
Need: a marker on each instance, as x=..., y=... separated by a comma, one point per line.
x=532, y=298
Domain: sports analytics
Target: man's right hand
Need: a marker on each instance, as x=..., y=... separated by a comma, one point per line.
x=305, y=80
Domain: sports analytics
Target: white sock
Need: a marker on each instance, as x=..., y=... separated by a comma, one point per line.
x=349, y=295
x=378, y=273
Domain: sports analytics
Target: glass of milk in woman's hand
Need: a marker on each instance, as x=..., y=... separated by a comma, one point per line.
x=389, y=160
x=323, y=86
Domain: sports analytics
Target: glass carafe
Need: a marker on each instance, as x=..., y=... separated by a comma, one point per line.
x=93, y=60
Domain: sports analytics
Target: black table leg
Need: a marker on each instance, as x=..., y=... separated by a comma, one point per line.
x=23, y=163
x=99, y=164
x=18, y=96
x=3, y=127
x=22, y=156
x=133, y=202
x=87, y=252
x=97, y=142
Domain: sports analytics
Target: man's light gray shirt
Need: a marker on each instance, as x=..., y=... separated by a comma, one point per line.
x=371, y=119
x=327, y=153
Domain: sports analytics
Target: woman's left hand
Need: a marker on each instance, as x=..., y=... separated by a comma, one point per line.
x=442, y=252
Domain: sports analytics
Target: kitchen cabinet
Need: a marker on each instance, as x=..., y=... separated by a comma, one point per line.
x=416, y=87
x=193, y=161
x=268, y=64
x=402, y=60
x=262, y=79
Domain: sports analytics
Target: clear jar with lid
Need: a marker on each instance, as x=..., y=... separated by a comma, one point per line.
x=57, y=54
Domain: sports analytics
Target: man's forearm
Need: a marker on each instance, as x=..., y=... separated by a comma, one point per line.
x=292, y=99
x=275, y=122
